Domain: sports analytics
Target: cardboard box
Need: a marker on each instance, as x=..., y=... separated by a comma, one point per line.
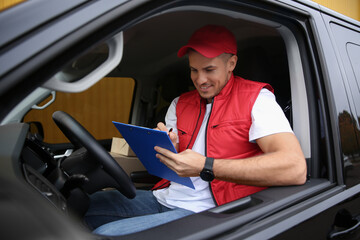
x=120, y=146
x=127, y=159
x=128, y=164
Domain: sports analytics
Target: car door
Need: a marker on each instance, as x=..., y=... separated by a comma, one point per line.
x=338, y=217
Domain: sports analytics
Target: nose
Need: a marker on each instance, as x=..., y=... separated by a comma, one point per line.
x=199, y=78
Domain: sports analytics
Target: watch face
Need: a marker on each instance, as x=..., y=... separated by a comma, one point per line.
x=207, y=175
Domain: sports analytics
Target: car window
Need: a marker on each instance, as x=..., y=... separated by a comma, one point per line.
x=353, y=51
x=108, y=100
x=348, y=44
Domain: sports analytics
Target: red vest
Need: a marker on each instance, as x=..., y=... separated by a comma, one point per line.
x=227, y=134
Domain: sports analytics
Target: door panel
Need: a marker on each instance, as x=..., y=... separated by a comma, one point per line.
x=331, y=222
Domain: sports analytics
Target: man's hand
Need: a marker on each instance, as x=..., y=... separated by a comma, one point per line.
x=186, y=164
x=173, y=136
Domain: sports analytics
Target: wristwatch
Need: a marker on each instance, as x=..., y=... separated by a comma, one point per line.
x=207, y=173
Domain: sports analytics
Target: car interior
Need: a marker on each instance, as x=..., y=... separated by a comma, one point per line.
x=66, y=173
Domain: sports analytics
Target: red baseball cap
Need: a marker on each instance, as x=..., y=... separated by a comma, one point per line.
x=210, y=41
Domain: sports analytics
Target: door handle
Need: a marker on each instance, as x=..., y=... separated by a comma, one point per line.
x=66, y=154
x=344, y=225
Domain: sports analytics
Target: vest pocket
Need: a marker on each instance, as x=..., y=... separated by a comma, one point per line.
x=181, y=132
x=184, y=139
x=241, y=123
x=229, y=139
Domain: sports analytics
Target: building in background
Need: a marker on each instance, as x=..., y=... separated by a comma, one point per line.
x=350, y=8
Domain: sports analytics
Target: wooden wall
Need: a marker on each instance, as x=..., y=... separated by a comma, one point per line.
x=108, y=100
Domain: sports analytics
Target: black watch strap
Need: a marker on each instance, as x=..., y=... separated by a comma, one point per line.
x=207, y=173
x=209, y=162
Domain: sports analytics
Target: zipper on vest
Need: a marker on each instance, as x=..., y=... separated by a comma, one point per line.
x=181, y=131
x=206, y=131
x=197, y=122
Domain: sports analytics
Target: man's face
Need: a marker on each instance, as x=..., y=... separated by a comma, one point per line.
x=210, y=75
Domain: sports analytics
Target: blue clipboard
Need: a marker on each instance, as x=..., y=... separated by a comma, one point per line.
x=142, y=141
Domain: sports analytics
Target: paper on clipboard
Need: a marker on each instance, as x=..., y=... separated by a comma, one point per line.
x=142, y=141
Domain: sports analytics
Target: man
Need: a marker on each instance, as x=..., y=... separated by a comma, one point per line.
x=232, y=137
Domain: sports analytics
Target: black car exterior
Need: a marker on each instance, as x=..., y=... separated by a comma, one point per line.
x=319, y=81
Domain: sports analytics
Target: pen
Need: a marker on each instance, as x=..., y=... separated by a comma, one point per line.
x=170, y=131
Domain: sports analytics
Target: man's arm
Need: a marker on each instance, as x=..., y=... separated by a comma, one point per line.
x=282, y=163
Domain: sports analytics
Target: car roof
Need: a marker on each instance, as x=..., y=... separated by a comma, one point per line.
x=30, y=15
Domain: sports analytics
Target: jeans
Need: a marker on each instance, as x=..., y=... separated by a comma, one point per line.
x=112, y=214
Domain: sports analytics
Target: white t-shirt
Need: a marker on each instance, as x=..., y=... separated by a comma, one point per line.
x=267, y=118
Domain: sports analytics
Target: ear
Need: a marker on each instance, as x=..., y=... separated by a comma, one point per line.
x=232, y=62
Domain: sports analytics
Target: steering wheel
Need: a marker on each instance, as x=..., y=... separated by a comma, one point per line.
x=77, y=134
